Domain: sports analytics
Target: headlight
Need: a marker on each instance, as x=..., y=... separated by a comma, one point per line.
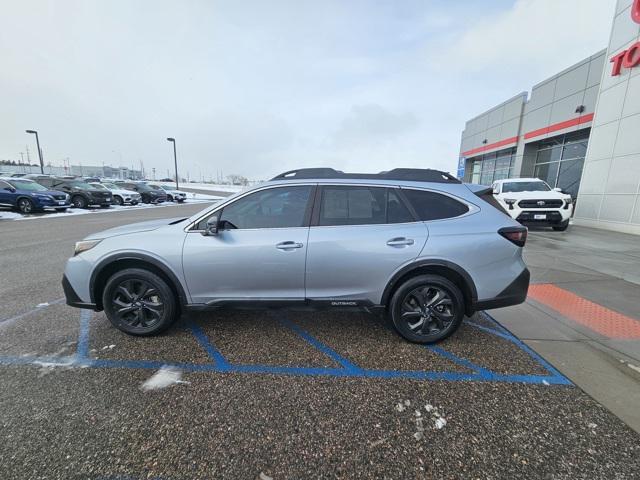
x=85, y=245
x=569, y=200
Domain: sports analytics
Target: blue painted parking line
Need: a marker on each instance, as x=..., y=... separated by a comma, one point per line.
x=82, y=350
x=7, y=321
x=347, y=369
x=346, y=364
x=208, y=347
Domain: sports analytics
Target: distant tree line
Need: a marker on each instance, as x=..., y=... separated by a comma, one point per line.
x=13, y=162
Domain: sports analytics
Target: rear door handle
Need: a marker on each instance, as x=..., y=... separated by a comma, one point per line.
x=288, y=245
x=400, y=242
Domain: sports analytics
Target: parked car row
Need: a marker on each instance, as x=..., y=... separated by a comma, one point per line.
x=33, y=192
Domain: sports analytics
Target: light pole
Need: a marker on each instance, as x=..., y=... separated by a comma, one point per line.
x=39, y=151
x=175, y=159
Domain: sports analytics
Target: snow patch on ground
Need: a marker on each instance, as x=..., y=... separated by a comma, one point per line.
x=432, y=416
x=163, y=378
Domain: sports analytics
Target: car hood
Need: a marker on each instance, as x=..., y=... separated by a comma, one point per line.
x=551, y=195
x=124, y=192
x=43, y=192
x=133, y=228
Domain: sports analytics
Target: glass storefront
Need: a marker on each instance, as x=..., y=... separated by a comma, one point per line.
x=560, y=159
x=493, y=166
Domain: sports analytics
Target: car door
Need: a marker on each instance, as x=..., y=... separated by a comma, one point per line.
x=360, y=235
x=259, y=251
x=7, y=195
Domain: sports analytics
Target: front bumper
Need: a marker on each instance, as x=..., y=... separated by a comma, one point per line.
x=514, y=294
x=72, y=298
x=45, y=204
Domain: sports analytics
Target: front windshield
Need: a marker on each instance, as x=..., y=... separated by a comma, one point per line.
x=143, y=187
x=110, y=186
x=155, y=187
x=164, y=187
x=534, y=186
x=99, y=186
x=26, y=185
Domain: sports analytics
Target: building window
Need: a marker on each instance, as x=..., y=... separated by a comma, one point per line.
x=493, y=166
x=560, y=159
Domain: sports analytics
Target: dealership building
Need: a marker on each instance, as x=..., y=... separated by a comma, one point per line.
x=578, y=130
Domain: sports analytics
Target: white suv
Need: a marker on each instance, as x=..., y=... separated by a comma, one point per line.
x=531, y=201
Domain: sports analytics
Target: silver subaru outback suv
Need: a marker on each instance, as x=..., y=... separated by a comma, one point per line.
x=418, y=245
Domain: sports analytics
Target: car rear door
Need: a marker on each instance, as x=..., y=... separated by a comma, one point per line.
x=259, y=252
x=360, y=235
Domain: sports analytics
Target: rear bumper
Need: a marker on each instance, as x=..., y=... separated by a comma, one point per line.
x=72, y=298
x=514, y=294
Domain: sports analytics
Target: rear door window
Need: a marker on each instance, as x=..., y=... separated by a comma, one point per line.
x=355, y=205
x=434, y=206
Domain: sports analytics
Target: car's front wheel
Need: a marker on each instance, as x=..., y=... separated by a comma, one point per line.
x=562, y=227
x=117, y=199
x=25, y=205
x=78, y=201
x=139, y=302
x=427, y=309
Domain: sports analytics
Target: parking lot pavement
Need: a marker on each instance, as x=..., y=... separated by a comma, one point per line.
x=280, y=394
x=583, y=312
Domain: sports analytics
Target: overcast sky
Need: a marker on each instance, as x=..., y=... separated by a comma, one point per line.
x=258, y=87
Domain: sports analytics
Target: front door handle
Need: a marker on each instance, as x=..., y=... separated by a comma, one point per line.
x=288, y=245
x=400, y=242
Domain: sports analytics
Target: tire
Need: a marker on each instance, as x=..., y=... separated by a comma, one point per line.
x=415, y=321
x=61, y=210
x=25, y=205
x=132, y=311
x=169, y=198
x=145, y=199
x=78, y=201
x=117, y=199
x=561, y=228
x=134, y=203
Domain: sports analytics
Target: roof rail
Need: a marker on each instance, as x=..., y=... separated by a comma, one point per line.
x=407, y=174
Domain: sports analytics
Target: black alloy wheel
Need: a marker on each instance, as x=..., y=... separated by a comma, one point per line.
x=139, y=302
x=78, y=201
x=427, y=309
x=25, y=205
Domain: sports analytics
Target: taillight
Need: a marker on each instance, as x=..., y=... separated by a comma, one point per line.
x=516, y=235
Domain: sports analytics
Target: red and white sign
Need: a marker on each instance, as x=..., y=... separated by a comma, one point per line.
x=635, y=11
x=630, y=57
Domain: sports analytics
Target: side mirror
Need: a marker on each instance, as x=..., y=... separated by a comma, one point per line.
x=212, y=226
x=10, y=189
x=557, y=189
x=496, y=191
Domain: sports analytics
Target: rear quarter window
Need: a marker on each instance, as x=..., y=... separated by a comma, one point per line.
x=434, y=206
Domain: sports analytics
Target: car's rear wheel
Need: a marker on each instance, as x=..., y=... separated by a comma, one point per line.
x=427, y=309
x=78, y=201
x=139, y=302
x=25, y=205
